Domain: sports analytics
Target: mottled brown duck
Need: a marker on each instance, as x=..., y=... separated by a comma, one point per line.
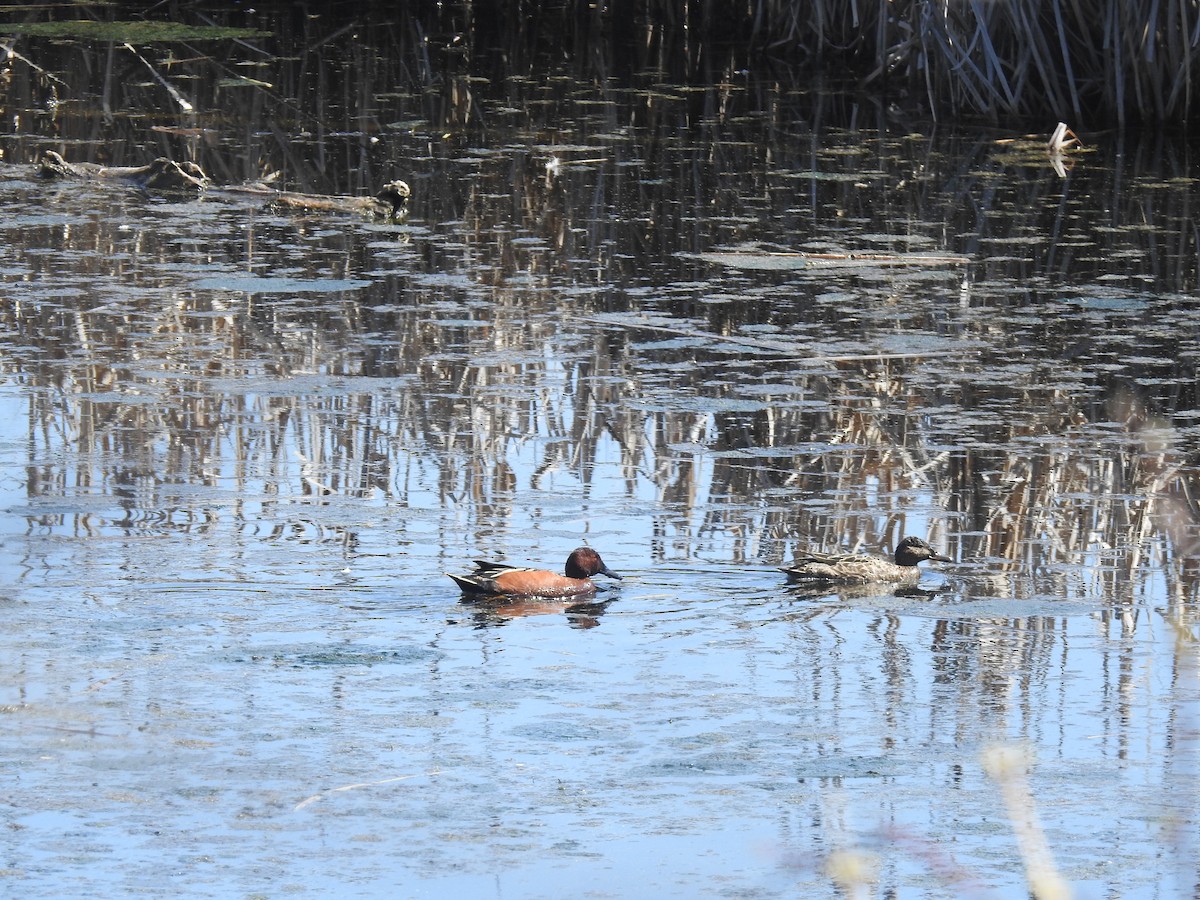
x=829, y=568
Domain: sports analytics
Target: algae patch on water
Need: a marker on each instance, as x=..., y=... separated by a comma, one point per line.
x=128, y=32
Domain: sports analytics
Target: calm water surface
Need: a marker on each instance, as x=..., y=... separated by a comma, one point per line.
x=240, y=448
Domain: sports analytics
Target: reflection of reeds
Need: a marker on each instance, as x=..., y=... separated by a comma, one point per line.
x=803, y=426
x=1184, y=769
x=849, y=459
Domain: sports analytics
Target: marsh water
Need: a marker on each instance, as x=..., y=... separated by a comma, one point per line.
x=695, y=328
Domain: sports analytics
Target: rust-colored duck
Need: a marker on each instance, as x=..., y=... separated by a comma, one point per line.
x=501, y=580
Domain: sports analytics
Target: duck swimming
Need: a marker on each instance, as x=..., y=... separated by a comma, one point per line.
x=857, y=569
x=498, y=579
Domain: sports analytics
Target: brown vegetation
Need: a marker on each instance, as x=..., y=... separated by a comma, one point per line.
x=1090, y=63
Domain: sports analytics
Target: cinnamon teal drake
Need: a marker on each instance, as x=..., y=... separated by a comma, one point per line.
x=831, y=568
x=498, y=579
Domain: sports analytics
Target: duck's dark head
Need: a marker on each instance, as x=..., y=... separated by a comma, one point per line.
x=913, y=550
x=585, y=562
x=396, y=193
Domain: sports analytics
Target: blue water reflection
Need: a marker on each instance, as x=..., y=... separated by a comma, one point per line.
x=239, y=449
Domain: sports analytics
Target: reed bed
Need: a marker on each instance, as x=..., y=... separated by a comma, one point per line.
x=1096, y=62
x=1091, y=63
x=1085, y=61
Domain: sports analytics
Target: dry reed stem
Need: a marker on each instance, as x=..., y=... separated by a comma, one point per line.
x=1007, y=765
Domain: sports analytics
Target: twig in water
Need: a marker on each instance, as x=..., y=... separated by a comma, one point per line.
x=1063, y=138
x=6, y=47
x=175, y=95
x=362, y=784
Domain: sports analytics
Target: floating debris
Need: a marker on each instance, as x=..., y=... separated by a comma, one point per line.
x=1063, y=139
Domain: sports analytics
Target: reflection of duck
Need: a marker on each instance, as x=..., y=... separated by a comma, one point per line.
x=498, y=579
x=487, y=611
x=857, y=569
x=849, y=595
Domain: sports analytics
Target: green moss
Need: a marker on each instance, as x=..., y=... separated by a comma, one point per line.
x=127, y=32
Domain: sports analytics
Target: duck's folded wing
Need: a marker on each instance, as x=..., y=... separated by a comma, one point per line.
x=488, y=569
x=812, y=557
x=813, y=570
